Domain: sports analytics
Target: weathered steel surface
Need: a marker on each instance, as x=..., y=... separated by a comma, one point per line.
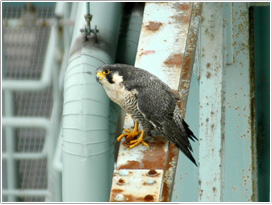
x=136, y=185
x=211, y=111
x=240, y=151
x=160, y=51
x=189, y=54
x=227, y=150
x=163, y=39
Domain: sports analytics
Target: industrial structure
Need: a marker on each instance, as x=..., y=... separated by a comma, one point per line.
x=59, y=128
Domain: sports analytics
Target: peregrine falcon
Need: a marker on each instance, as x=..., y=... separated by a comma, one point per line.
x=150, y=102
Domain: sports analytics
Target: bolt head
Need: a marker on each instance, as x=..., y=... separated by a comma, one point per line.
x=119, y=197
x=150, y=182
x=123, y=172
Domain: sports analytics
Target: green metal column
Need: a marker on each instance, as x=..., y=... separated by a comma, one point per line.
x=262, y=94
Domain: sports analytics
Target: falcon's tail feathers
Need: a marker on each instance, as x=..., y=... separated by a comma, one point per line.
x=180, y=136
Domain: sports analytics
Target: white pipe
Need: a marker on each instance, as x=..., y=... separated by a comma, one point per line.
x=54, y=181
x=10, y=145
x=57, y=163
x=86, y=148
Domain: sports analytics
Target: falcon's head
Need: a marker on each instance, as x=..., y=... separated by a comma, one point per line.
x=111, y=74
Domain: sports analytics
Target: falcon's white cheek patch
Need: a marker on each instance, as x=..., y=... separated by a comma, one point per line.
x=116, y=78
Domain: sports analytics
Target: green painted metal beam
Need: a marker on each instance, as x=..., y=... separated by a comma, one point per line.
x=262, y=94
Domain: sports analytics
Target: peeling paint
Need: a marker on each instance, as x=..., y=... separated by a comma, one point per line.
x=147, y=52
x=174, y=60
x=153, y=26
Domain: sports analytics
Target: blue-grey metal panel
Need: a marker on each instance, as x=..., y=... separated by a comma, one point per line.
x=211, y=101
x=186, y=180
x=239, y=168
x=235, y=167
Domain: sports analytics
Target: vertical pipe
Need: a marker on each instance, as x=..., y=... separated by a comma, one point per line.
x=10, y=144
x=54, y=178
x=130, y=33
x=87, y=149
x=88, y=23
x=10, y=136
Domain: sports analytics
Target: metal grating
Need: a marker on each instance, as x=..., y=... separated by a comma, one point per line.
x=30, y=140
x=24, y=53
x=15, y=10
x=33, y=175
x=34, y=104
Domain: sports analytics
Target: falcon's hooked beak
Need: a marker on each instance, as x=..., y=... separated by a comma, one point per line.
x=100, y=76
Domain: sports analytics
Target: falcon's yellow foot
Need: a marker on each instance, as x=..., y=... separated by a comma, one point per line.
x=140, y=140
x=130, y=133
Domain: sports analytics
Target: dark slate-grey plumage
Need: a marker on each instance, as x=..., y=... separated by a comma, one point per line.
x=149, y=101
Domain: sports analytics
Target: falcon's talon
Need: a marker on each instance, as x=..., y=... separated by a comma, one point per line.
x=130, y=133
x=138, y=141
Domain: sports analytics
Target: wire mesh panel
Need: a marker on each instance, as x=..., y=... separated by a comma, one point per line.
x=24, y=51
x=24, y=55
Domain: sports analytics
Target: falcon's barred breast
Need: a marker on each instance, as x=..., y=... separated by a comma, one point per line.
x=150, y=102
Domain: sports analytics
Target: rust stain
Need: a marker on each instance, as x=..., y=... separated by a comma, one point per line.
x=185, y=19
x=152, y=172
x=214, y=189
x=131, y=164
x=179, y=103
x=149, y=198
x=173, y=153
x=183, y=14
x=172, y=157
x=185, y=6
x=116, y=191
x=208, y=75
x=155, y=156
x=165, y=192
x=187, y=66
x=121, y=181
x=131, y=198
x=153, y=26
x=174, y=60
x=147, y=52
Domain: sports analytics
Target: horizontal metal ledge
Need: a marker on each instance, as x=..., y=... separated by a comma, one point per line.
x=18, y=156
x=26, y=122
x=25, y=192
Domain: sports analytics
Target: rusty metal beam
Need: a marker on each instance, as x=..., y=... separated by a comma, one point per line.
x=166, y=49
x=183, y=90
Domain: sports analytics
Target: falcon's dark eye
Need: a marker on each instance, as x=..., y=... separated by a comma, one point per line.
x=106, y=72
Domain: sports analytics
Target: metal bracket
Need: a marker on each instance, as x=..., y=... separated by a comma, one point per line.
x=136, y=185
x=87, y=30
